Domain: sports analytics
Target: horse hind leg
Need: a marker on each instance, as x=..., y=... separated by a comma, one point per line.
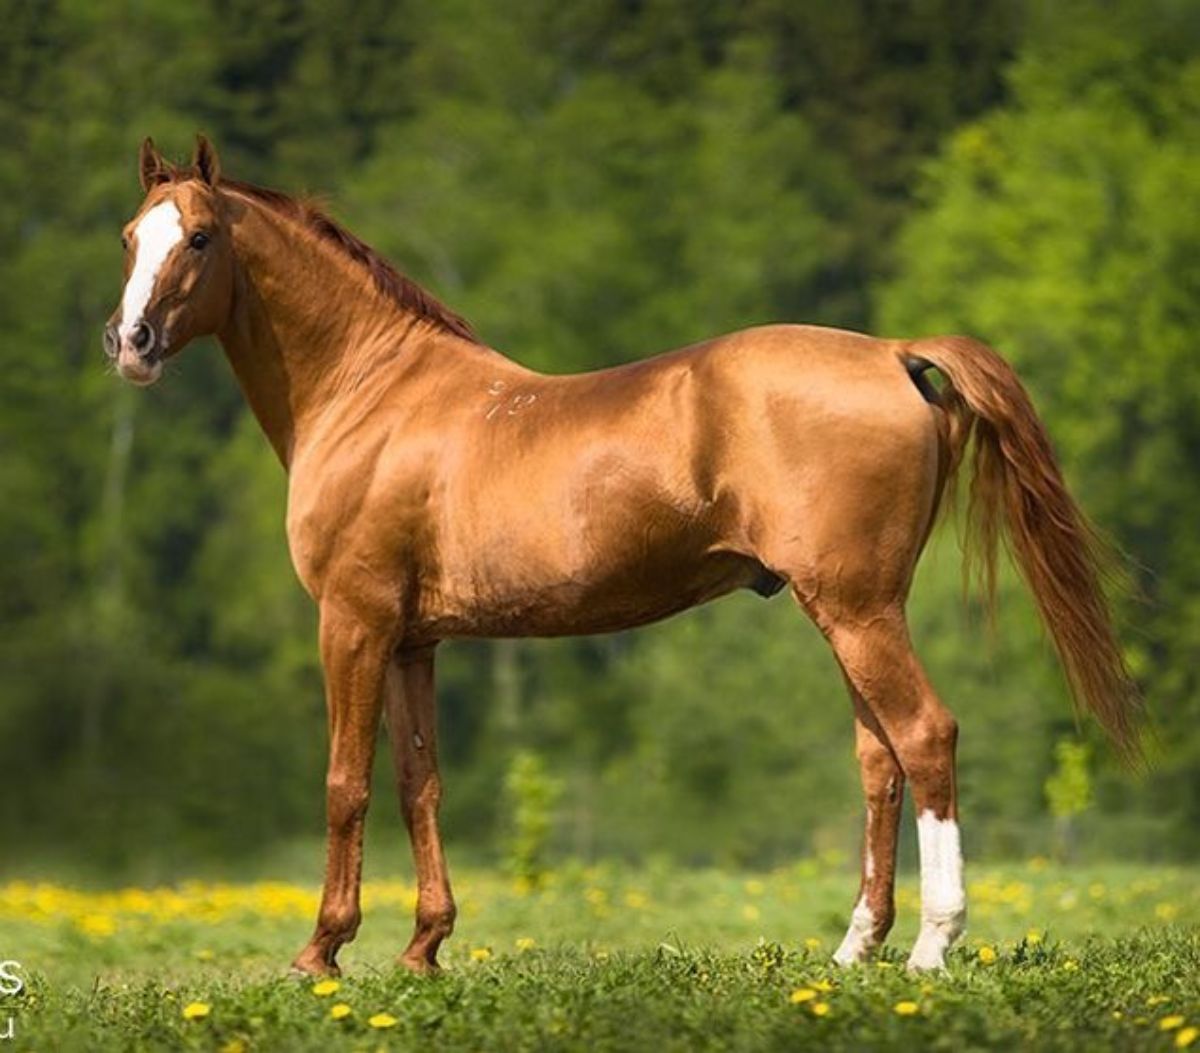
x=885, y=675
x=883, y=789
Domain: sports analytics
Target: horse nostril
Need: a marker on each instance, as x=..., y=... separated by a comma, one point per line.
x=112, y=343
x=142, y=337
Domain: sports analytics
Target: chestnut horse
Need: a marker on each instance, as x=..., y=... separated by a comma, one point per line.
x=438, y=489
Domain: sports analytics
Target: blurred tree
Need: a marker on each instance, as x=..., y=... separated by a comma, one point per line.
x=531, y=795
x=1068, y=792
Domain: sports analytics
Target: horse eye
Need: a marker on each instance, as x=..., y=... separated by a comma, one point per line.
x=124, y=243
x=198, y=240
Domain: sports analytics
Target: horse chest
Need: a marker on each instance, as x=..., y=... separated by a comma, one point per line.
x=356, y=524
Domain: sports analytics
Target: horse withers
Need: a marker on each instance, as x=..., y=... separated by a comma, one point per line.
x=438, y=489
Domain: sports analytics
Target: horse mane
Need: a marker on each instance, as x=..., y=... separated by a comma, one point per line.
x=390, y=282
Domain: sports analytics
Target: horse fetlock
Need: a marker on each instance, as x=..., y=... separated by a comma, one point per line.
x=940, y=927
x=861, y=937
x=436, y=922
x=338, y=925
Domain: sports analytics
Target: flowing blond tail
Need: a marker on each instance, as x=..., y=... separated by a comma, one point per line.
x=1018, y=494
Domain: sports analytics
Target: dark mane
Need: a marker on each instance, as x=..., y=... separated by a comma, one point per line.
x=389, y=281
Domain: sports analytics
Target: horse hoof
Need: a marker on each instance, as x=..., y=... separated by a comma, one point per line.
x=419, y=965
x=310, y=964
x=926, y=963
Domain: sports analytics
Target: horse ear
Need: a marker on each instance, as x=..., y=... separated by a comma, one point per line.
x=206, y=162
x=152, y=169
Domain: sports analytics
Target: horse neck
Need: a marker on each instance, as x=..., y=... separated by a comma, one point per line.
x=306, y=325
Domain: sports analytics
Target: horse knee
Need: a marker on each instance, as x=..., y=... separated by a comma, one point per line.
x=346, y=801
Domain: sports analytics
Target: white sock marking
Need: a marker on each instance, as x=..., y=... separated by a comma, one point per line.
x=157, y=233
x=943, y=899
x=860, y=936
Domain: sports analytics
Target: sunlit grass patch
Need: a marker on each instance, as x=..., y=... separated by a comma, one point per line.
x=682, y=966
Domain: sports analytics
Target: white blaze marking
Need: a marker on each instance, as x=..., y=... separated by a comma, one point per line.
x=943, y=900
x=157, y=233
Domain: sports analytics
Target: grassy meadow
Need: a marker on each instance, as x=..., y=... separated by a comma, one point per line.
x=608, y=957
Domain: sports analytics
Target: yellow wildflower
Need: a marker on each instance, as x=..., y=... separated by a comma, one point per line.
x=97, y=924
x=802, y=994
x=196, y=1010
x=234, y=1045
x=820, y=1008
x=1070, y=965
x=906, y=1009
x=1186, y=1037
x=1170, y=1023
x=382, y=1020
x=324, y=988
x=822, y=985
x=526, y=943
x=1033, y=936
x=750, y=912
x=987, y=955
x=812, y=943
x=340, y=1011
x=480, y=954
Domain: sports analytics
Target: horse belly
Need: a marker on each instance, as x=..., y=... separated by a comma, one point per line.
x=519, y=588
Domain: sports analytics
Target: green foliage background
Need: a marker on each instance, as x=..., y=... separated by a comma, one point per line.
x=589, y=183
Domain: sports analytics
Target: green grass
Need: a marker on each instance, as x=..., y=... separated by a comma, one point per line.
x=1093, y=958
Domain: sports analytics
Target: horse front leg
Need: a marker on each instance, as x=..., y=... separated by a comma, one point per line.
x=883, y=788
x=355, y=658
x=412, y=724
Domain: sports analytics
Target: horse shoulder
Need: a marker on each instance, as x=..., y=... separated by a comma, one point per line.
x=350, y=499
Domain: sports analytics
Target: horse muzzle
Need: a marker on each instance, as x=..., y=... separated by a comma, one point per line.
x=135, y=352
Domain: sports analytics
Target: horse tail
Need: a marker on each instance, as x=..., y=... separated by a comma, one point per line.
x=1018, y=495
